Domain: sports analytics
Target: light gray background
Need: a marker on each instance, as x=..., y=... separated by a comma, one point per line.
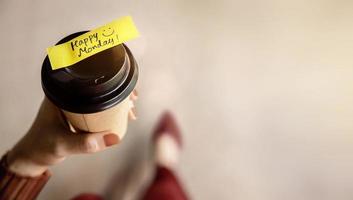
x=262, y=90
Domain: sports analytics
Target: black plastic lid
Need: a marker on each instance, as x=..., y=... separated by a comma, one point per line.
x=93, y=84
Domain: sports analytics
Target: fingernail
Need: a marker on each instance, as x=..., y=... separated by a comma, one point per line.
x=110, y=139
x=133, y=96
x=135, y=92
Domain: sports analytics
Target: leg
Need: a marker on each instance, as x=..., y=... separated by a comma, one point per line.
x=167, y=143
x=88, y=197
x=165, y=186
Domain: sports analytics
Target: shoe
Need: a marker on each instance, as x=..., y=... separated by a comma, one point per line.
x=167, y=142
x=167, y=126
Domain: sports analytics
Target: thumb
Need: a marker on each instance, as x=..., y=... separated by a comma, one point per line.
x=88, y=142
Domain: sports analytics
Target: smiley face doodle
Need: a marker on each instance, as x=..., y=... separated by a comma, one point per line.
x=108, y=32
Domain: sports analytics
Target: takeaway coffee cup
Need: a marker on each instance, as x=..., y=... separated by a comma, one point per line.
x=94, y=93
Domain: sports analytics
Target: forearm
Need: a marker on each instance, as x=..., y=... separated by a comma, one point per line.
x=20, y=160
x=14, y=186
x=24, y=170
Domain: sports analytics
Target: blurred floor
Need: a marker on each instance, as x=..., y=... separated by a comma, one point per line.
x=262, y=89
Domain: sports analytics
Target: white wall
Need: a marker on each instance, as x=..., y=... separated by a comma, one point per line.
x=262, y=89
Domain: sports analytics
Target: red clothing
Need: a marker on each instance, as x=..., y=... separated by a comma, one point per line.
x=88, y=197
x=165, y=186
x=17, y=187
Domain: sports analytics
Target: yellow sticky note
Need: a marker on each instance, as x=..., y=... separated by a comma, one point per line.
x=90, y=43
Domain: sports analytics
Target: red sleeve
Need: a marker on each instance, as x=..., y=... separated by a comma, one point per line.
x=13, y=186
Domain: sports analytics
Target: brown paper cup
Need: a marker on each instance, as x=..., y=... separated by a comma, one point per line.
x=114, y=120
x=94, y=93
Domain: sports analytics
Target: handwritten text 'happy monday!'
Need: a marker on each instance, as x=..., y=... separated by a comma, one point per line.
x=94, y=41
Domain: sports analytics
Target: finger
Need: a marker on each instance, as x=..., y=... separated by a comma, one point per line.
x=134, y=95
x=132, y=114
x=132, y=111
x=88, y=142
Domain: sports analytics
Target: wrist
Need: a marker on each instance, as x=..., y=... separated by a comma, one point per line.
x=23, y=166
